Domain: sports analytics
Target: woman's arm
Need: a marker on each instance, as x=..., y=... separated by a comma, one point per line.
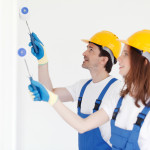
x=81, y=125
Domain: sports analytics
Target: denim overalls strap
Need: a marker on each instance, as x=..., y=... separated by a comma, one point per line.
x=81, y=94
x=102, y=94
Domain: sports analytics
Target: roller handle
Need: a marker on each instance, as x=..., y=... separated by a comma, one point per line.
x=34, y=87
x=34, y=46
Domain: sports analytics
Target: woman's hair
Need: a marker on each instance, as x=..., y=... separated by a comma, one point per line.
x=137, y=81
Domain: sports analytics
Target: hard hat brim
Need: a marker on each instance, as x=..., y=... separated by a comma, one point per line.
x=124, y=41
x=86, y=41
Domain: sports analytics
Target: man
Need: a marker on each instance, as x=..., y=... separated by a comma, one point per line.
x=102, y=50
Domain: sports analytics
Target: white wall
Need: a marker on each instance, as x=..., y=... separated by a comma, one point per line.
x=8, y=30
x=60, y=24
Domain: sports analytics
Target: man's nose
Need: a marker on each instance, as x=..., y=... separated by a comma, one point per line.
x=84, y=53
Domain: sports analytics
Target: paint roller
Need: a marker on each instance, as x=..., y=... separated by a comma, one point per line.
x=22, y=53
x=24, y=15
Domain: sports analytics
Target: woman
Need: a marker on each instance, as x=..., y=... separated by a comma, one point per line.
x=130, y=120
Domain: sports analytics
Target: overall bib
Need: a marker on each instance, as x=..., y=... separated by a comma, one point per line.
x=92, y=140
x=122, y=139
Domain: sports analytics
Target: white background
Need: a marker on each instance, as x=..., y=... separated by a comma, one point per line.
x=60, y=24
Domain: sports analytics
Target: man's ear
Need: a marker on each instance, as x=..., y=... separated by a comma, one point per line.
x=104, y=60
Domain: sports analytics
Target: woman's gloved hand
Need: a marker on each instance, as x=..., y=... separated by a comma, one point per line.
x=43, y=93
x=41, y=55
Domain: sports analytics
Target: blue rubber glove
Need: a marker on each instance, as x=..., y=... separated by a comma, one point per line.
x=41, y=55
x=43, y=93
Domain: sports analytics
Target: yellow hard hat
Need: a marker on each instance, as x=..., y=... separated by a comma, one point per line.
x=139, y=40
x=106, y=39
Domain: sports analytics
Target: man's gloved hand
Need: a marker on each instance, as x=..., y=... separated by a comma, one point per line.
x=41, y=55
x=43, y=93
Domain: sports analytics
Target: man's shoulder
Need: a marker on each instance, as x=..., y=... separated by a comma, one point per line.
x=83, y=81
x=78, y=84
x=116, y=87
x=118, y=82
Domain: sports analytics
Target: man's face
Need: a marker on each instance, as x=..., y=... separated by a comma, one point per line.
x=91, y=57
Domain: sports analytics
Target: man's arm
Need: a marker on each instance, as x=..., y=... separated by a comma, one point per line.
x=44, y=78
x=43, y=73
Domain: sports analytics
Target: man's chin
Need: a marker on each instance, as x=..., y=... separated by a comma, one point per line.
x=85, y=67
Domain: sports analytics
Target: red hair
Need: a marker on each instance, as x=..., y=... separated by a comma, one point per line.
x=138, y=78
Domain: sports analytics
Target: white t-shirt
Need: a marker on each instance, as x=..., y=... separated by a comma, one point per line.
x=127, y=116
x=91, y=93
